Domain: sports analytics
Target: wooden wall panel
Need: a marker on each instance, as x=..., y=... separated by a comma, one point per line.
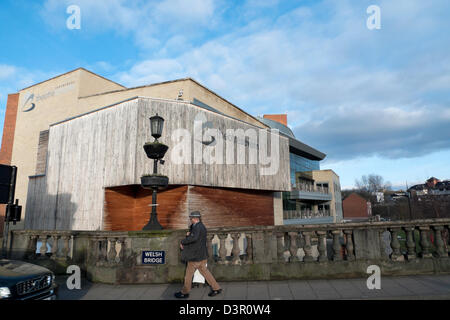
x=222, y=207
x=127, y=207
x=172, y=208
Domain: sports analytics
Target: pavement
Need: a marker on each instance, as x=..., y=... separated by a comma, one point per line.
x=419, y=287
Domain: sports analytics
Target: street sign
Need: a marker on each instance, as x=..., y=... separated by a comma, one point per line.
x=153, y=257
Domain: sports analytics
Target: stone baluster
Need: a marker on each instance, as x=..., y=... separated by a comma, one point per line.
x=349, y=248
x=293, y=246
x=104, y=249
x=98, y=252
x=336, y=245
x=32, y=247
x=440, y=248
x=43, y=249
x=222, y=249
x=396, y=255
x=236, y=250
x=93, y=251
x=322, y=245
x=112, y=253
x=209, y=239
x=383, y=253
x=307, y=247
x=121, y=256
x=280, y=246
x=102, y=246
x=410, y=243
x=55, y=246
x=249, y=249
x=65, y=249
x=424, y=242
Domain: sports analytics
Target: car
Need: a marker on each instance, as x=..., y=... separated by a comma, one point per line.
x=20, y=280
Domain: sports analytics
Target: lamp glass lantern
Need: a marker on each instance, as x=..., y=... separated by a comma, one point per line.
x=156, y=126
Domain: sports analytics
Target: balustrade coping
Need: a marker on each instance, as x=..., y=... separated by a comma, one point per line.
x=247, y=229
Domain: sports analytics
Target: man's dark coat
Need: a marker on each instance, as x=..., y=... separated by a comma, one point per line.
x=195, y=244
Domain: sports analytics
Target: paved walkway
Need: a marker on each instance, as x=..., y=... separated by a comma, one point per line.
x=407, y=287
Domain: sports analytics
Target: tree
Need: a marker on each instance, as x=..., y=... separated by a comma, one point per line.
x=372, y=183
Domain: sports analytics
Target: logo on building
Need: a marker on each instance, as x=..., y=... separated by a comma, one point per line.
x=32, y=99
x=28, y=105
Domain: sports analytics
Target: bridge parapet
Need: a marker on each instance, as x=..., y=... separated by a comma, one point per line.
x=247, y=253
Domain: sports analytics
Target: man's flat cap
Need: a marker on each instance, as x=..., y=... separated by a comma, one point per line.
x=195, y=214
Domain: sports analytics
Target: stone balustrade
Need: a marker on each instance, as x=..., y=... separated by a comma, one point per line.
x=253, y=253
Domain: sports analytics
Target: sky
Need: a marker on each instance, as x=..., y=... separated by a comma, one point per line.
x=375, y=101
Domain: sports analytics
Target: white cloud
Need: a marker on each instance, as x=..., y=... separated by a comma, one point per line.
x=347, y=90
x=6, y=71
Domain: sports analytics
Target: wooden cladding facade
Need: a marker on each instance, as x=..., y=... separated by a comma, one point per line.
x=127, y=207
x=103, y=150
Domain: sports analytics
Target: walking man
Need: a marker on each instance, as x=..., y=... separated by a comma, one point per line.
x=194, y=251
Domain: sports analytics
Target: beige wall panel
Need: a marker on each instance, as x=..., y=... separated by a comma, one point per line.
x=91, y=83
x=211, y=99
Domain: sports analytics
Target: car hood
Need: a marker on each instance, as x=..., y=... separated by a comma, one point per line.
x=15, y=270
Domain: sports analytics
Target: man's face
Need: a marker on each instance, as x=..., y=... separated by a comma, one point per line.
x=194, y=220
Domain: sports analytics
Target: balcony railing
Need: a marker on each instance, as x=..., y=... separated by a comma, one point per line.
x=306, y=187
x=305, y=214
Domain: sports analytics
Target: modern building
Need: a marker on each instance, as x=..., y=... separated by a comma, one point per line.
x=77, y=140
x=316, y=194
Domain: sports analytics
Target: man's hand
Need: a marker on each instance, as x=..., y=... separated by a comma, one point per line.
x=187, y=234
x=181, y=246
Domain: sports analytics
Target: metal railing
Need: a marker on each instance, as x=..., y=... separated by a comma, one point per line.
x=306, y=187
x=305, y=214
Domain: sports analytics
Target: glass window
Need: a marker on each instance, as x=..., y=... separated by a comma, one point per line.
x=300, y=164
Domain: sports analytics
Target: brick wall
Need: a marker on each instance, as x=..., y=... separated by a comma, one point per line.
x=354, y=206
x=280, y=118
x=9, y=128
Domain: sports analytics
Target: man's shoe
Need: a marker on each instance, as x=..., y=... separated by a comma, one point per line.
x=214, y=292
x=181, y=295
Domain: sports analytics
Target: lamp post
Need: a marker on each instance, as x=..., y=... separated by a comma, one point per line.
x=156, y=151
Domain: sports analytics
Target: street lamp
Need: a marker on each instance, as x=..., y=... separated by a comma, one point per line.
x=156, y=151
x=156, y=126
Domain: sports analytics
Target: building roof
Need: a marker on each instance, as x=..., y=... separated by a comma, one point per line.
x=63, y=74
x=295, y=146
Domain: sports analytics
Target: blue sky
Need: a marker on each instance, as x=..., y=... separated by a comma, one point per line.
x=375, y=101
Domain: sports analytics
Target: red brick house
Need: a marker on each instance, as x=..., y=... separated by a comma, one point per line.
x=356, y=207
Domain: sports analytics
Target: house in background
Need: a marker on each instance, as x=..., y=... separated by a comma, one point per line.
x=431, y=187
x=356, y=208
